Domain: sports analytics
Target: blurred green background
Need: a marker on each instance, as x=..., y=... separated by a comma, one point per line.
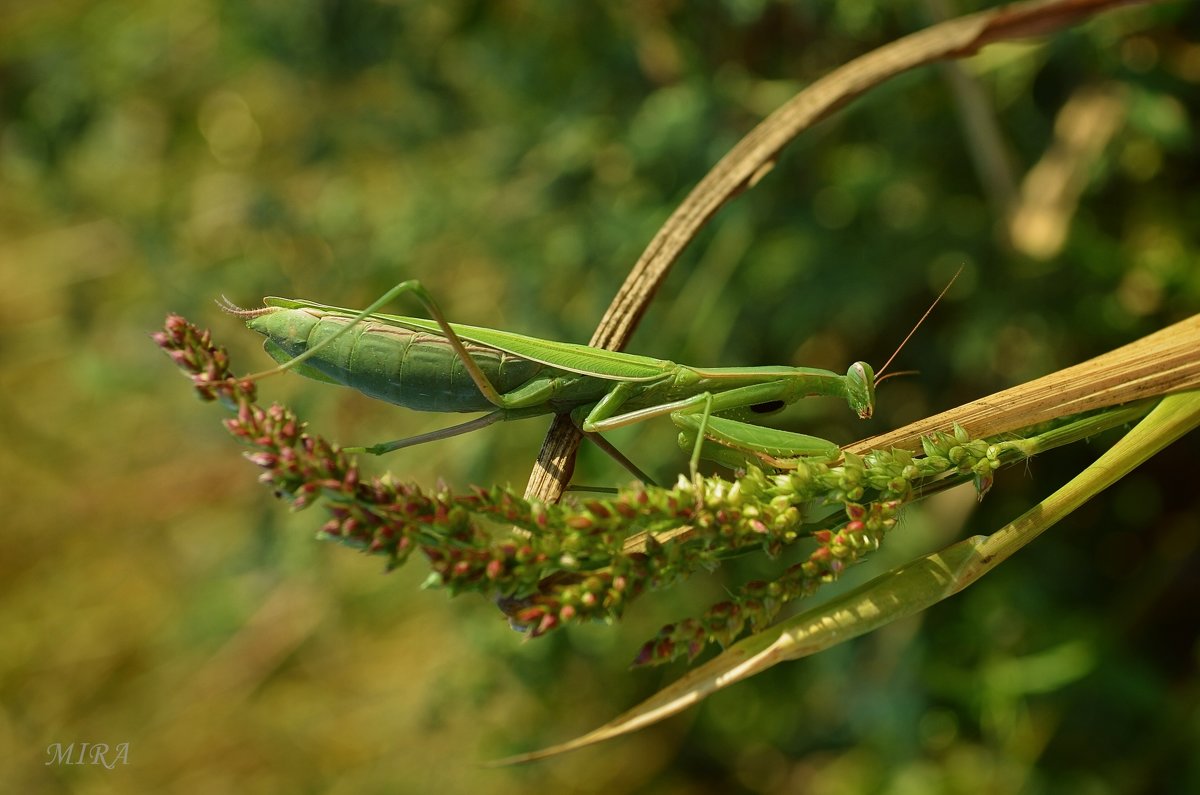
x=517, y=157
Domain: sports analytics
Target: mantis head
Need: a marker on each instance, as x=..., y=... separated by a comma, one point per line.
x=860, y=389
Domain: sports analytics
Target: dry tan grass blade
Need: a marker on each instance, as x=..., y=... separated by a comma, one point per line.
x=1164, y=362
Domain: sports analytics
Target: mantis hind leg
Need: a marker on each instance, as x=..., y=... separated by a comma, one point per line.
x=615, y=454
x=499, y=415
x=491, y=418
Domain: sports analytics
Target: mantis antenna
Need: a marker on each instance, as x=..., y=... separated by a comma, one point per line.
x=880, y=375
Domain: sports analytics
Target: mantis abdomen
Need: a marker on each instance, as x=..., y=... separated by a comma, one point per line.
x=414, y=369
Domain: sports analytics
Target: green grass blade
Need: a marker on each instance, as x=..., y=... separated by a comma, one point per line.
x=903, y=591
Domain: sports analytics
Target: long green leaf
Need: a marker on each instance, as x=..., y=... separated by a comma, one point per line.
x=903, y=591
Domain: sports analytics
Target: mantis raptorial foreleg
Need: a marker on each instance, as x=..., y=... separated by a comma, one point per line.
x=699, y=418
x=734, y=444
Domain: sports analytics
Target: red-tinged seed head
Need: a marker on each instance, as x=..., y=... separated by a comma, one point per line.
x=529, y=615
x=495, y=569
x=567, y=613
x=855, y=527
x=823, y=536
x=548, y=622
x=645, y=654
x=619, y=583
x=721, y=609
x=264, y=460
x=983, y=484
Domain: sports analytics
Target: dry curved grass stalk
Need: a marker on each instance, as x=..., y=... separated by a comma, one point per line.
x=753, y=156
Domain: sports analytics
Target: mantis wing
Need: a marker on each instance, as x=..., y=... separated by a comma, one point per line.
x=572, y=358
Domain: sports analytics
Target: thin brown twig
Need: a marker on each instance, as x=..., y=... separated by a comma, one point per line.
x=752, y=158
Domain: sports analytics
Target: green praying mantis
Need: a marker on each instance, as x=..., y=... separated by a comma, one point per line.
x=433, y=365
